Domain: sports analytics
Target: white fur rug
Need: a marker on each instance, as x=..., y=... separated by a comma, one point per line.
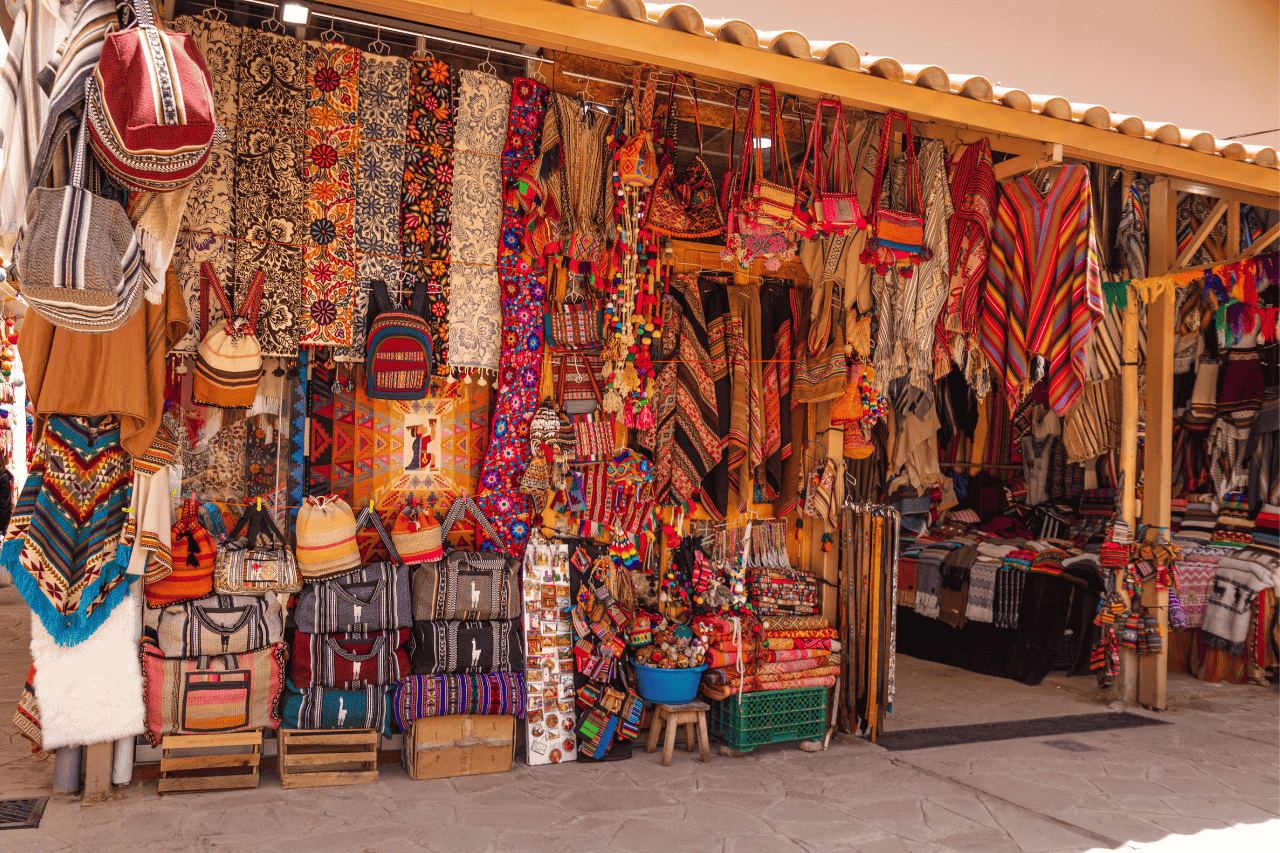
x=91, y=692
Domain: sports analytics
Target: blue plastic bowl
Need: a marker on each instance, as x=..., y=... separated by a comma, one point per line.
x=668, y=686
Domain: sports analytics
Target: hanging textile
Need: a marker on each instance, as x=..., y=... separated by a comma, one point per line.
x=1043, y=293
x=62, y=548
x=684, y=440
x=209, y=216
x=745, y=442
x=973, y=202
x=1131, y=234
x=427, y=196
x=271, y=223
x=523, y=281
x=323, y=376
x=715, y=310
x=330, y=171
x=775, y=345
x=298, y=461
x=382, y=110
x=868, y=630
x=582, y=199
x=475, y=297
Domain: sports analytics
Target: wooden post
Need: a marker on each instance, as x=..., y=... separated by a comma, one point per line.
x=1158, y=479
x=1129, y=462
x=98, y=761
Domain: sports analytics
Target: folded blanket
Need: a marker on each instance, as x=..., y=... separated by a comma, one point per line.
x=982, y=585
x=722, y=692
x=1231, y=603
x=827, y=633
x=928, y=583
x=781, y=666
x=788, y=622
x=1196, y=571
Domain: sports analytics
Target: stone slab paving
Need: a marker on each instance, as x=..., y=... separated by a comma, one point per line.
x=1216, y=767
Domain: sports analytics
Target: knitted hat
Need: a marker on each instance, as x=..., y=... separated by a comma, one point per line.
x=416, y=535
x=326, y=538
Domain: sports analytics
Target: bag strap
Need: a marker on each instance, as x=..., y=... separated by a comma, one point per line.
x=209, y=282
x=80, y=162
x=886, y=133
x=369, y=517
x=913, y=169
x=381, y=298
x=692, y=84
x=418, y=301
x=257, y=521
x=913, y=172
x=460, y=508
x=251, y=302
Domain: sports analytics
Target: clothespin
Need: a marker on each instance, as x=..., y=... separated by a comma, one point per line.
x=259, y=504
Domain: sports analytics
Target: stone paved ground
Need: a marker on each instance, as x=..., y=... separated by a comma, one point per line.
x=1215, y=767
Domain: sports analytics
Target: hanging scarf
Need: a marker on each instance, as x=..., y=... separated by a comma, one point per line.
x=271, y=222
x=973, y=201
x=382, y=110
x=523, y=279
x=475, y=299
x=426, y=197
x=745, y=441
x=62, y=548
x=715, y=311
x=210, y=210
x=775, y=344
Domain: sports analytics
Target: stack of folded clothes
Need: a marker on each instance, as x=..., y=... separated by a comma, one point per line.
x=793, y=651
x=1200, y=520
x=1235, y=525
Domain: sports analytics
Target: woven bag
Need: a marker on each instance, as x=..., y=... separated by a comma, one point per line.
x=228, y=358
x=217, y=625
x=372, y=598
x=150, y=110
x=398, y=352
x=327, y=708
x=326, y=538
x=252, y=567
x=193, y=555
x=448, y=646
x=349, y=661
x=465, y=585
x=686, y=206
x=637, y=159
x=897, y=236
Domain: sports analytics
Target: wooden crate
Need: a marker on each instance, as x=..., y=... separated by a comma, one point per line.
x=309, y=758
x=214, y=762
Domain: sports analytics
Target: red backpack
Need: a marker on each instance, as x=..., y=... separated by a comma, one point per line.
x=397, y=362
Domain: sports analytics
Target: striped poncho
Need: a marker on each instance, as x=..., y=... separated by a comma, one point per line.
x=1044, y=294
x=62, y=548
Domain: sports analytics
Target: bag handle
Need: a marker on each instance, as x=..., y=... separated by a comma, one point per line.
x=913, y=173
x=258, y=521
x=209, y=283
x=691, y=83
x=369, y=517
x=460, y=508
x=381, y=296
x=733, y=138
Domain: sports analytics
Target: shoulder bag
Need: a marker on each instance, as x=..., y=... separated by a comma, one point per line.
x=228, y=357
x=372, y=598
x=593, y=433
x=685, y=207
x=351, y=661
x=247, y=568
x=218, y=625
x=637, y=159
x=193, y=555
x=897, y=236
x=212, y=694
x=453, y=646
x=466, y=585
x=834, y=204
x=751, y=231
x=327, y=708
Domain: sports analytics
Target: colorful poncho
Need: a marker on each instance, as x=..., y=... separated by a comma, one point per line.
x=61, y=548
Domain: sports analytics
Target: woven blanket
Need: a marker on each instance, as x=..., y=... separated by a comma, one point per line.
x=1008, y=597
x=1195, y=576
x=1230, y=607
x=62, y=545
x=778, y=624
x=475, y=297
x=812, y=678
x=421, y=696
x=982, y=587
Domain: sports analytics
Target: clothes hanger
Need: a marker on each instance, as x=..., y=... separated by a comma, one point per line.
x=421, y=52
x=378, y=46
x=213, y=13
x=273, y=25
x=330, y=35
x=486, y=66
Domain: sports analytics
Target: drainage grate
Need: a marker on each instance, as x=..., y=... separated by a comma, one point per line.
x=22, y=814
x=1071, y=745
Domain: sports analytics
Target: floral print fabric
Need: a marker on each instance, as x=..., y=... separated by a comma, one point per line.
x=270, y=210
x=211, y=205
x=523, y=283
x=382, y=108
x=330, y=171
x=426, y=199
x=475, y=297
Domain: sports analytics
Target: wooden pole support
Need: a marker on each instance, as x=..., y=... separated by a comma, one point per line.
x=99, y=758
x=1129, y=463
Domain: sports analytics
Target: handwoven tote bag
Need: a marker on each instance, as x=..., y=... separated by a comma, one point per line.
x=897, y=236
x=218, y=625
x=594, y=437
x=226, y=693
x=686, y=206
x=372, y=598
x=637, y=159
x=247, y=567
x=193, y=555
x=773, y=200
x=466, y=585
x=326, y=708
x=452, y=646
x=350, y=661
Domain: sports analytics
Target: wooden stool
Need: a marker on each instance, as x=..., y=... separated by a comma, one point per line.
x=692, y=714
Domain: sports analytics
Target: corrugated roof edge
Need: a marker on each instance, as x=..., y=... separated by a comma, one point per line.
x=686, y=18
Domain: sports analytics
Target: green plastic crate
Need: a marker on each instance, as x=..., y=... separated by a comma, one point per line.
x=770, y=716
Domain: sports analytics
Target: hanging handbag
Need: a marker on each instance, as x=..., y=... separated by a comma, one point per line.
x=748, y=236
x=217, y=625
x=834, y=202
x=228, y=358
x=821, y=369
x=774, y=199
x=637, y=159
x=78, y=260
x=372, y=598
x=467, y=586
x=193, y=555
x=151, y=113
x=573, y=327
x=348, y=661
x=897, y=236
x=328, y=708
x=686, y=207
x=594, y=437
x=398, y=354
x=212, y=694
x=249, y=567
x=453, y=646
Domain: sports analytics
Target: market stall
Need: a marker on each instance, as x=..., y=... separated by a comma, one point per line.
x=494, y=392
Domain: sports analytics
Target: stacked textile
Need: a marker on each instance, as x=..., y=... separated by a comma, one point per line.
x=1196, y=571
x=953, y=601
x=1266, y=530
x=1232, y=600
x=1235, y=525
x=791, y=652
x=1177, y=509
x=1200, y=520
x=929, y=577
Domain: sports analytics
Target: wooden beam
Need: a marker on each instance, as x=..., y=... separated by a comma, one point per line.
x=1129, y=459
x=1201, y=188
x=1010, y=169
x=590, y=33
x=1198, y=238
x=1233, y=228
x=1267, y=238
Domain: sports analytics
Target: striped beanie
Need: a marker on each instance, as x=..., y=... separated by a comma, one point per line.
x=326, y=533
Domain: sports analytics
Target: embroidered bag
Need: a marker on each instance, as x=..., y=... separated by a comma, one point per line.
x=193, y=555
x=327, y=708
x=834, y=201
x=637, y=159
x=348, y=661
x=593, y=429
x=228, y=358
x=821, y=365
x=78, y=260
x=770, y=199
x=151, y=113
x=464, y=585
x=453, y=646
x=749, y=237
x=249, y=567
x=206, y=695
x=398, y=348
x=372, y=598
x=686, y=207
x=897, y=236
x=217, y=625
x=573, y=327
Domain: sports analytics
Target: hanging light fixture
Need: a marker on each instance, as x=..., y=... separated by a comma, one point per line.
x=295, y=13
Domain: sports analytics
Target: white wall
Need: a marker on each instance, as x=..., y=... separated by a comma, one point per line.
x=1204, y=64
